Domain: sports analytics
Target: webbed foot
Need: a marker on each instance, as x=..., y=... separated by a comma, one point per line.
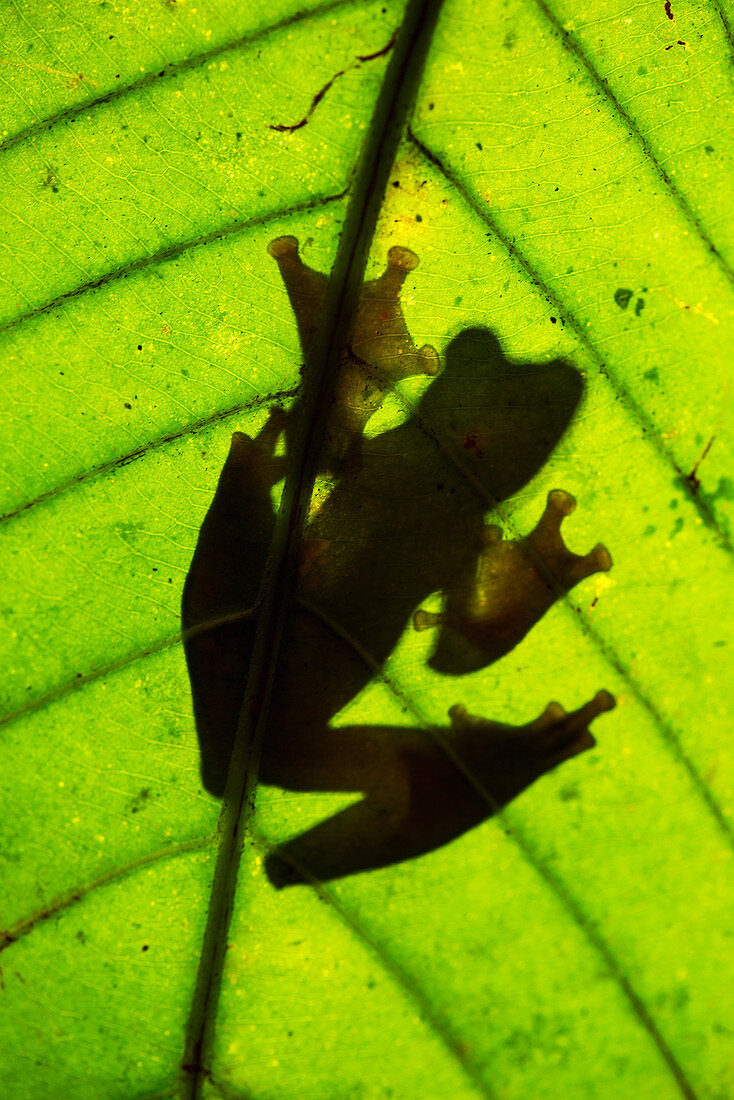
x=507, y=759
x=514, y=582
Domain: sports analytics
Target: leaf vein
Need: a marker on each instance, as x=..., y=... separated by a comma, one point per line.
x=554, y=882
x=575, y=49
x=172, y=252
x=26, y=924
x=391, y=966
x=648, y=429
x=144, y=449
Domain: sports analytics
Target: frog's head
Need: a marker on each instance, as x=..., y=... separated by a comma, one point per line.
x=502, y=419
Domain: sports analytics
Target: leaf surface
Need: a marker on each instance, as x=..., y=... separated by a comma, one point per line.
x=564, y=180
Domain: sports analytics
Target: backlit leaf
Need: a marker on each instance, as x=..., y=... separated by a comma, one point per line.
x=564, y=179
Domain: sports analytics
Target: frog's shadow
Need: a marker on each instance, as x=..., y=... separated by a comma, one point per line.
x=403, y=520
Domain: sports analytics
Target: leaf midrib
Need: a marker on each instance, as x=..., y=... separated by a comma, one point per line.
x=341, y=4
x=389, y=118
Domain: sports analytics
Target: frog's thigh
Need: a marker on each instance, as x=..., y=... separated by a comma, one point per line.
x=349, y=758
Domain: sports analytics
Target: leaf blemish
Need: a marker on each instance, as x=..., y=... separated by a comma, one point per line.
x=289, y=128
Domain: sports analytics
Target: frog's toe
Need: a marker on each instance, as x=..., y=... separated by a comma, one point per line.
x=241, y=447
x=402, y=258
x=550, y=717
x=598, y=560
x=283, y=246
x=462, y=720
x=565, y=733
x=547, y=531
x=430, y=361
x=272, y=429
x=559, y=504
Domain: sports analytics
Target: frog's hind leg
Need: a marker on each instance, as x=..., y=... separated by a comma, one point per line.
x=360, y=838
x=422, y=788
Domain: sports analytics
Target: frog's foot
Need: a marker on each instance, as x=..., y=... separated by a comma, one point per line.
x=546, y=548
x=511, y=585
x=271, y=431
x=554, y=727
x=560, y=734
x=256, y=456
x=378, y=351
x=506, y=759
x=306, y=288
x=379, y=336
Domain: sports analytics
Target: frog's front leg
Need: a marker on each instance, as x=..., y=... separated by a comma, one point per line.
x=422, y=788
x=379, y=351
x=221, y=592
x=488, y=612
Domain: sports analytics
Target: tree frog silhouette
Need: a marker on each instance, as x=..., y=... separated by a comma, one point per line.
x=403, y=518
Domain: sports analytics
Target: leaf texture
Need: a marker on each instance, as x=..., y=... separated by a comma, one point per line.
x=563, y=177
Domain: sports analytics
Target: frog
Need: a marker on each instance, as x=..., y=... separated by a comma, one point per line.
x=400, y=519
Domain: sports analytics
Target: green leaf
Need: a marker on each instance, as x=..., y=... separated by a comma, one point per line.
x=564, y=178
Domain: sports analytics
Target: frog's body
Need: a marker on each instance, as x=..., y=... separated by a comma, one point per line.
x=405, y=519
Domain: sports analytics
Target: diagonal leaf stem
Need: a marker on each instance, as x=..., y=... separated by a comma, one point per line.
x=389, y=118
